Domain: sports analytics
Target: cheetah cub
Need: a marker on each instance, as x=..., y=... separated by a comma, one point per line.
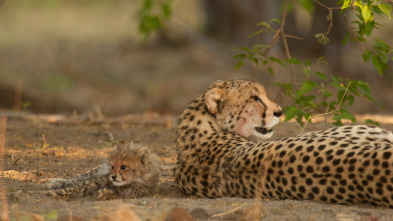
x=131, y=172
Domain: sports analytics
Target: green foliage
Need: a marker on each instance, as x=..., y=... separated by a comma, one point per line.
x=151, y=15
x=365, y=10
x=319, y=90
x=369, y=121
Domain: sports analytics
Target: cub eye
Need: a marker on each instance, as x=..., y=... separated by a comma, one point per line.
x=123, y=167
x=112, y=167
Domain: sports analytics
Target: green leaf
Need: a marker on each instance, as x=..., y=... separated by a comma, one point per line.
x=366, y=55
x=307, y=116
x=350, y=99
x=293, y=61
x=365, y=87
x=374, y=101
x=270, y=71
x=386, y=8
x=256, y=33
x=338, y=86
x=337, y=119
x=308, y=5
x=369, y=121
x=375, y=9
x=346, y=4
x=306, y=101
x=286, y=87
x=361, y=39
x=275, y=20
x=239, y=64
x=166, y=10
x=321, y=75
x=261, y=46
x=290, y=113
x=244, y=49
x=366, y=13
x=379, y=65
x=382, y=46
x=239, y=56
x=335, y=79
x=322, y=60
x=149, y=23
x=340, y=95
x=263, y=24
x=299, y=118
x=326, y=93
x=346, y=115
x=306, y=87
x=358, y=4
x=345, y=40
x=278, y=61
x=353, y=88
x=148, y=4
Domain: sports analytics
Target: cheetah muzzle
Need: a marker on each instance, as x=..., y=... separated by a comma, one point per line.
x=263, y=131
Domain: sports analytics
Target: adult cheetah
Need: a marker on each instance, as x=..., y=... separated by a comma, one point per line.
x=349, y=164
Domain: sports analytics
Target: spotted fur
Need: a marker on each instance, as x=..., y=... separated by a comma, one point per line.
x=349, y=164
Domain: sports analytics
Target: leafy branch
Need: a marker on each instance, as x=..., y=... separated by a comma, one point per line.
x=328, y=112
x=310, y=94
x=151, y=14
x=317, y=90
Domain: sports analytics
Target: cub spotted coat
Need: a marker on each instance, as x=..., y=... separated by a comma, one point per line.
x=130, y=173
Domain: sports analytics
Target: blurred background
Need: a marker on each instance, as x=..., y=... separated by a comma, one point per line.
x=72, y=56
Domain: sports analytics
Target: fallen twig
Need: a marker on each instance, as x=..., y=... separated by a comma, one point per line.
x=230, y=211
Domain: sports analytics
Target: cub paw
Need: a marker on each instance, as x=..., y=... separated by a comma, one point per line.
x=56, y=194
x=104, y=194
x=51, y=193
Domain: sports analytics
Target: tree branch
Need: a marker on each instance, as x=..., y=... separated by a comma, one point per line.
x=325, y=114
x=284, y=40
x=328, y=8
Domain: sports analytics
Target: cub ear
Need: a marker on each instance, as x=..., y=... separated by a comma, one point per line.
x=145, y=155
x=214, y=99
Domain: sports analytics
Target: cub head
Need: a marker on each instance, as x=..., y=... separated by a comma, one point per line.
x=129, y=163
x=242, y=107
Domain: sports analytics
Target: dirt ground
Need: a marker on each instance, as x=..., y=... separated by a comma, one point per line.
x=40, y=147
x=92, y=61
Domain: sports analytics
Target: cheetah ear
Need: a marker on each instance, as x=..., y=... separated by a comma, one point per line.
x=145, y=155
x=214, y=99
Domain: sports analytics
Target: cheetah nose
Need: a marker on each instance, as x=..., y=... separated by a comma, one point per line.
x=277, y=113
x=114, y=177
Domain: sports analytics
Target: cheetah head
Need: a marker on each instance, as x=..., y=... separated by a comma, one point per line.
x=129, y=163
x=242, y=107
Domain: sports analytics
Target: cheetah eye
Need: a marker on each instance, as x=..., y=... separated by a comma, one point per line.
x=123, y=167
x=112, y=167
x=256, y=98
